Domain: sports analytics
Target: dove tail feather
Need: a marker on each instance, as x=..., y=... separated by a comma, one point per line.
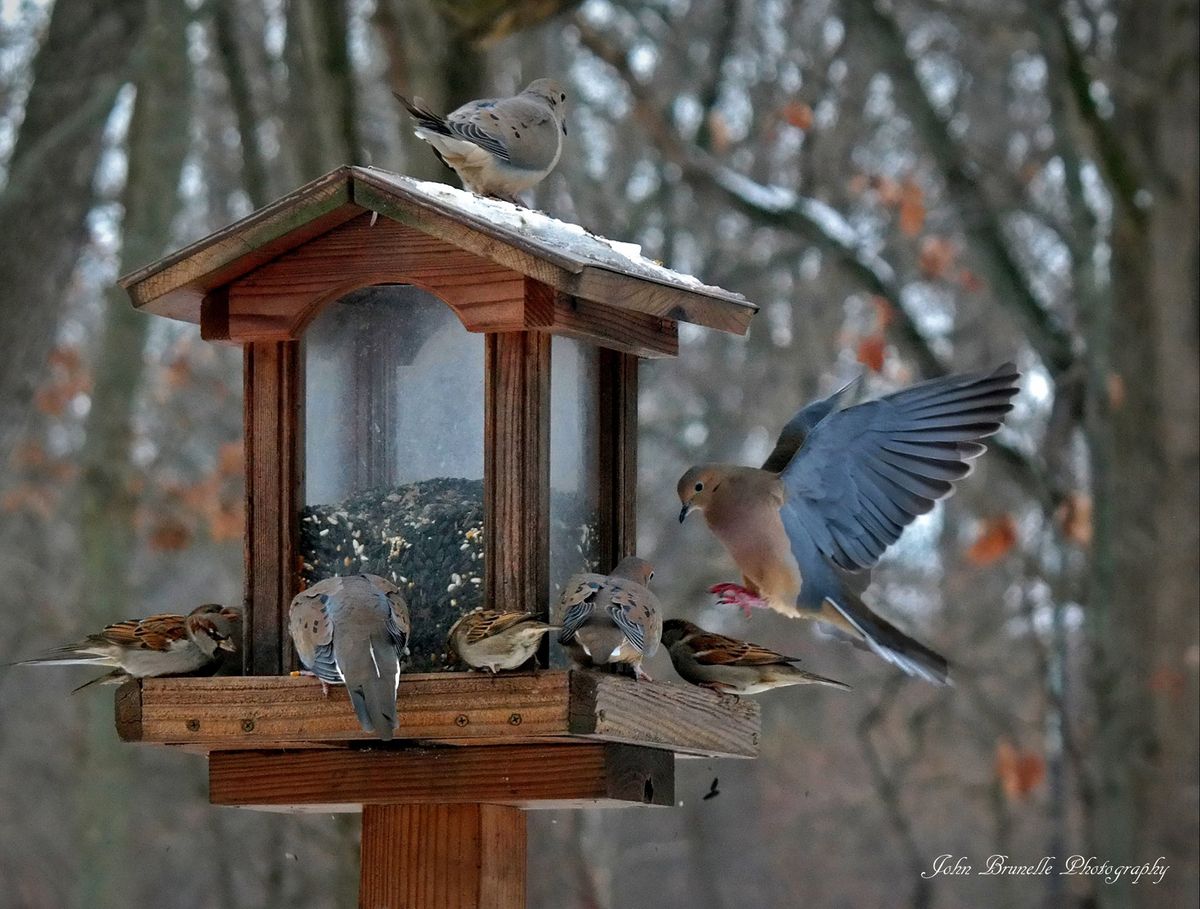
x=375, y=705
x=425, y=118
x=892, y=644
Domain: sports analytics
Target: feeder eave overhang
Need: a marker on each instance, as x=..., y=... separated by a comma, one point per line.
x=563, y=256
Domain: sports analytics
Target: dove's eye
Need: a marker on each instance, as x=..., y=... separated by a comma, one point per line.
x=562, y=96
x=651, y=578
x=699, y=487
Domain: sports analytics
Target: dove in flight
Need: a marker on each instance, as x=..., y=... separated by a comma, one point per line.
x=843, y=484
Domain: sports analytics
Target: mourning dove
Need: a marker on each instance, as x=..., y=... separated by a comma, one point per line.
x=498, y=146
x=165, y=644
x=494, y=640
x=611, y=619
x=731, y=666
x=806, y=538
x=354, y=630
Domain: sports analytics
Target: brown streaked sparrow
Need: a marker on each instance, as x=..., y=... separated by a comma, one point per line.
x=731, y=666
x=495, y=640
x=164, y=644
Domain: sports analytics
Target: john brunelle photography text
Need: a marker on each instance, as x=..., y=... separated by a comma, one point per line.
x=950, y=865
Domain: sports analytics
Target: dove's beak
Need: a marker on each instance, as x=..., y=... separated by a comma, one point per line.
x=683, y=513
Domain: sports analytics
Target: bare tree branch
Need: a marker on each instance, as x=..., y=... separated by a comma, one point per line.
x=980, y=222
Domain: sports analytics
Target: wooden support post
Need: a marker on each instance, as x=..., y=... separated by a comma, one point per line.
x=274, y=430
x=463, y=856
x=516, y=472
x=617, y=437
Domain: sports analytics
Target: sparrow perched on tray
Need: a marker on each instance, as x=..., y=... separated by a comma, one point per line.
x=496, y=640
x=731, y=666
x=158, y=645
x=354, y=631
x=839, y=488
x=611, y=619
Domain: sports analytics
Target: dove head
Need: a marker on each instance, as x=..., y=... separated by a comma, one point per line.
x=214, y=627
x=697, y=486
x=634, y=569
x=550, y=91
x=676, y=630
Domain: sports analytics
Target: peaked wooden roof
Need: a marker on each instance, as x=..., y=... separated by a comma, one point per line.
x=563, y=256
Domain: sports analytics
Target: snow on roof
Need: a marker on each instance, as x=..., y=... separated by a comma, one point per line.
x=549, y=231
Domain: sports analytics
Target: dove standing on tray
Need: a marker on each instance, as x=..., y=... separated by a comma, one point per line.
x=611, y=619
x=498, y=146
x=158, y=645
x=731, y=666
x=849, y=481
x=494, y=640
x=354, y=631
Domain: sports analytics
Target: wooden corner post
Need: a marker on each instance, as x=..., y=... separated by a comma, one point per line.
x=516, y=471
x=274, y=439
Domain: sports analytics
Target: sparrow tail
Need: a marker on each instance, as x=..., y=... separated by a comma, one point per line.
x=892, y=644
x=116, y=677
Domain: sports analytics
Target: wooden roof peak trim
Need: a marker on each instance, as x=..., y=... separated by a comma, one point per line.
x=559, y=255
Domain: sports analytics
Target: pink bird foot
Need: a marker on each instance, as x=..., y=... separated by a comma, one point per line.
x=313, y=675
x=737, y=595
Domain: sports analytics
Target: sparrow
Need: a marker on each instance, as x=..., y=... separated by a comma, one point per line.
x=611, y=619
x=498, y=146
x=164, y=644
x=494, y=640
x=845, y=483
x=354, y=631
x=731, y=666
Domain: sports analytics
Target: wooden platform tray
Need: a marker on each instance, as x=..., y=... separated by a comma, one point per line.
x=462, y=708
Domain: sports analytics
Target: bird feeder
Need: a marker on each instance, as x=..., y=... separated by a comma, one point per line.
x=442, y=390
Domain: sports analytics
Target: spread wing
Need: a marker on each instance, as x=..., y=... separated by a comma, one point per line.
x=866, y=472
x=718, y=650
x=797, y=429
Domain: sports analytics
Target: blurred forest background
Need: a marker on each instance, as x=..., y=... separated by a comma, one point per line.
x=906, y=187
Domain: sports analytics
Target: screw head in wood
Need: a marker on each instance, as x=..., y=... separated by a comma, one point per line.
x=192, y=725
x=247, y=725
x=461, y=720
x=514, y=719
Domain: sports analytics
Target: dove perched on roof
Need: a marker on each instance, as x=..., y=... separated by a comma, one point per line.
x=731, y=666
x=807, y=536
x=354, y=630
x=498, y=146
x=611, y=619
x=494, y=640
x=164, y=644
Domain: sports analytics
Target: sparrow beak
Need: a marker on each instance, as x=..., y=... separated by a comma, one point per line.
x=683, y=513
x=227, y=644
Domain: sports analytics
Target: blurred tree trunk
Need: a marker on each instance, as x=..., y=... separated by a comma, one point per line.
x=1143, y=418
x=321, y=98
x=157, y=145
x=84, y=58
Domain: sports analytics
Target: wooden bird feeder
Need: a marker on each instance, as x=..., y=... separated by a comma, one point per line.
x=441, y=390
